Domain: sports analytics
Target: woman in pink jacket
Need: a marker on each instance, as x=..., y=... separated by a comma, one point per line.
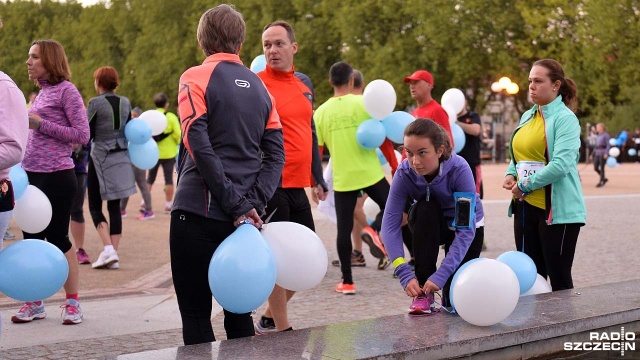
x=57, y=120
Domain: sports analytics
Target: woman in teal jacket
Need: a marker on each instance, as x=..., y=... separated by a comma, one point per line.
x=543, y=175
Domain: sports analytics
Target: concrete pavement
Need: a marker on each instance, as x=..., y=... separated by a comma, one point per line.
x=141, y=314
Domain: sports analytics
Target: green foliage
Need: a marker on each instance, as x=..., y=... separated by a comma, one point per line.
x=464, y=43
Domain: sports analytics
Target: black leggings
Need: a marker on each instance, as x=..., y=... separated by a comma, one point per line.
x=430, y=230
x=77, y=211
x=168, y=167
x=551, y=247
x=95, y=203
x=290, y=204
x=193, y=239
x=598, y=166
x=60, y=187
x=345, y=204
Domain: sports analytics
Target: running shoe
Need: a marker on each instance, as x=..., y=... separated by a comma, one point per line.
x=357, y=259
x=146, y=215
x=371, y=238
x=105, y=259
x=347, y=289
x=384, y=263
x=421, y=304
x=8, y=236
x=83, y=257
x=71, y=313
x=28, y=312
x=264, y=326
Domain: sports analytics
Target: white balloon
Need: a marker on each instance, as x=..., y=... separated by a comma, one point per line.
x=453, y=115
x=495, y=284
x=32, y=212
x=541, y=286
x=614, y=152
x=371, y=209
x=454, y=98
x=301, y=258
x=379, y=99
x=156, y=120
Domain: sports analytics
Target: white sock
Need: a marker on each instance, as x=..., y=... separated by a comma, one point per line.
x=109, y=249
x=168, y=204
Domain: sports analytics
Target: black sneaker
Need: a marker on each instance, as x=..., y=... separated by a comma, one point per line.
x=265, y=326
x=357, y=259
x=384, y=263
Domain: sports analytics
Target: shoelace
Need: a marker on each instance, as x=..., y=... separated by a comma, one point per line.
x=27, y=306
x=453, y=311
x=70, y=309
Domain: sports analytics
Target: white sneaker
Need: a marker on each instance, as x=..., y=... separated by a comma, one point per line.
x=71, y=313
x=105, y=259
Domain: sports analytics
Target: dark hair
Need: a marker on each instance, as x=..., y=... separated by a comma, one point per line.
x=340, y=73
x=160, y=100
x=568, y=88
x=54, y=60
x=107, y=78
x=431, y=130
x=358, y=79
x=290, y=33
x=221, y=30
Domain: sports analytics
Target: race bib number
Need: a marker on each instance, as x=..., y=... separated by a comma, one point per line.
x=528, y=168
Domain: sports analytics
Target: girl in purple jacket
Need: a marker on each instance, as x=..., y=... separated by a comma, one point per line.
x=446, y=211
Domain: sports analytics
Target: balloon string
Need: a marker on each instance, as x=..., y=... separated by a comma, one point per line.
x=453, y=311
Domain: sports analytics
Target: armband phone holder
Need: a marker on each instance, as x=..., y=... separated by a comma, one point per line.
x=465, y=210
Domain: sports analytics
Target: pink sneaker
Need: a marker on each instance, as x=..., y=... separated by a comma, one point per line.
x=83, y=257
x=421, y=304
x=146, y=215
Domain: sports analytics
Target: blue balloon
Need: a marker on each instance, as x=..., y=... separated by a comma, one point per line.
x=523, y=266
x=242, y=271
x=32, y=270
x=144, y=156
x=455, y=278
x=19, y=180
x=137, y=131
x=395, y=123
x=613, y=142
x=381, y=158
x=258, y=64
x=632, y=152
x=612, y=162
x=371, y=134
x=459, y=139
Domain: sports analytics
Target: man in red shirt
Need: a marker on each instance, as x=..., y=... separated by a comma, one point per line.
x=293, y=94
x=421, y=84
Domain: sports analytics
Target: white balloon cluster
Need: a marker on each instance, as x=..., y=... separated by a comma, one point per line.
x=499, y=283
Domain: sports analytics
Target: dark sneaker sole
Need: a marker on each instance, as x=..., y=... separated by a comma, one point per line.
x=337, y=264
x=375, y=250
x=17, y=320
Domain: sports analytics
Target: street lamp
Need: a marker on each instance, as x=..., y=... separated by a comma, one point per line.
x=498, y=109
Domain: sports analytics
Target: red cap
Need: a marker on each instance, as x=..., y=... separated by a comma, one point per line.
x=420, y=75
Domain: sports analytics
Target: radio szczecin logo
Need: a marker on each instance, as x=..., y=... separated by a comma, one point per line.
x=613, y=341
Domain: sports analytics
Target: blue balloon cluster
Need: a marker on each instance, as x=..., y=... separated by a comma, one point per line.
x=395, y=123
x=459, y=139
x=242, y=271
x=611, y=161
x=144, y=156
x=523, y=266
x=258, y=64
x=371, y=134
x=137, y=131
x=32, y=270
x=19, y=180
x=381, y=158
